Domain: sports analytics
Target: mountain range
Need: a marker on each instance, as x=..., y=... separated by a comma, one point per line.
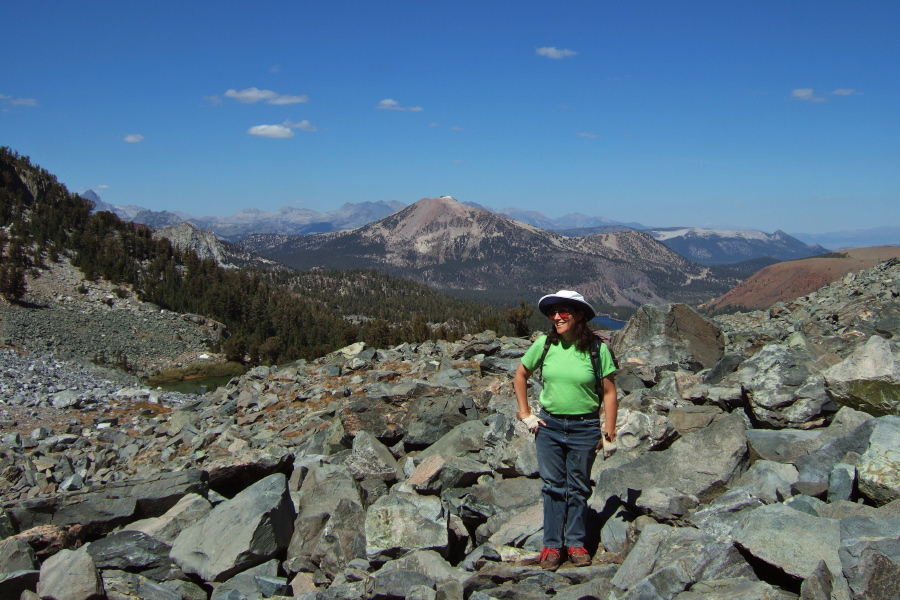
x=706, y=246
x=472, y=252
x=724, y=246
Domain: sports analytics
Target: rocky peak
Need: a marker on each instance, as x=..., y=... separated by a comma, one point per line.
x=203, y=242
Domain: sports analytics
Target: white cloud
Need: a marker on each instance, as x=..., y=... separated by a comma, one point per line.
x=134, y=138
x=11, y=101
x=557, y=53
x=274, y=68
x=806, y=94
x=214, y=100
x=846, y=92
x=271, y=131
x=303, y=125
x=254, y=95
x=285, y=130
x=388, y=104
x=588, y=135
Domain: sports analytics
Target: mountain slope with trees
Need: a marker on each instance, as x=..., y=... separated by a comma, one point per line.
x=41, y=222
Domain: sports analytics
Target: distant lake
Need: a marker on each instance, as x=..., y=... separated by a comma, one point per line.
x=200, y=385
x=608, y=322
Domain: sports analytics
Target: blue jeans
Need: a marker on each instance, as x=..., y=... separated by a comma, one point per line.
x=566, y=450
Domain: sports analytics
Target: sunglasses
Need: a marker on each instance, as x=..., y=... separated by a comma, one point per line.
x=564, y=313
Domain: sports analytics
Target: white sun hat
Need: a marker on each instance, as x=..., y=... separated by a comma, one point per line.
x=569, y=298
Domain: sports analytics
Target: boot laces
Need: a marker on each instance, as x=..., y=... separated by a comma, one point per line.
x=548, y=552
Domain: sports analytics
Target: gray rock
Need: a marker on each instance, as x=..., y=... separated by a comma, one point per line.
x=430, y=418
x=668, y=560
x=324, y=488
x=130, y=551
x=872, y=568
x=816, y=467
x=437, y=473
x=791, y=541
x=879, y=466
x=187, y=511
x=782, y=445
x=723, y=514
x=462, y=440
x=371, y=459
x=664, y=504
x=249, y=584
x=841, y=482
x=767, y=480
x=125, y=586
x=18, y=584
x=404, y=521
x=819, y=585
x=699, y=464
x=329, y=541
x=735, y=588
x=868, y=379
x=258, y=524
x=783, y=387
x=70, y=575
x=16, y=555
x=670, y=335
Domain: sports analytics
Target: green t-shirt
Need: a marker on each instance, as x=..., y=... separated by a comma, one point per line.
x=569, y=382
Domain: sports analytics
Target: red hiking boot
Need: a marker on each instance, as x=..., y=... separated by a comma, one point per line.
x=580, y=557
x=550, y=559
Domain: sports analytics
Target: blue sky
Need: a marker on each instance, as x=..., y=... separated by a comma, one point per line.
x=765, y=114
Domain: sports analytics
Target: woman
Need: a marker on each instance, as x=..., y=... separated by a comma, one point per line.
x=567, y=427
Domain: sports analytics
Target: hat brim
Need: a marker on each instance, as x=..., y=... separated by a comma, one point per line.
x=546, y=302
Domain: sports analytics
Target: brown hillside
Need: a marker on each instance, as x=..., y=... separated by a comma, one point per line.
x=788, y=280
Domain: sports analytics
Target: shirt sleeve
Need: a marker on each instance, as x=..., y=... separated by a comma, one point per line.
x=607, y=366
x=533, y=355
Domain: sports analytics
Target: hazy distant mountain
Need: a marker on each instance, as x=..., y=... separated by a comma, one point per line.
x=126, y=213
x=566, y=222
x=286, y=220
x=723, y=246
x=467, y=250
x=862, y=238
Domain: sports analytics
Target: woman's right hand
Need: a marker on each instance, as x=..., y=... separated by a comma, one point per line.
x=531, y=422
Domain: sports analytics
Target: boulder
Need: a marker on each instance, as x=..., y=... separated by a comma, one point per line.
x=258, y=524
x=18, y=585
x=789, y=541
x=437, y=473
x=16, y=555
x=124, y=585
x=187, y=511
x=699, y=464
x=402, y=521
x=328, y=541
x=868, y=379
x=668, y=560
x=669, y=336
x=878, y=468
x=430, y=418
x=736, y=588
x=133, y=551
x=371, y=459
x=767, y=480
x=784, y=388
x=70, y=575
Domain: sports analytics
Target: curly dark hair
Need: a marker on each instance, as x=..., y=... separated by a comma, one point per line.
x=584, y=336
